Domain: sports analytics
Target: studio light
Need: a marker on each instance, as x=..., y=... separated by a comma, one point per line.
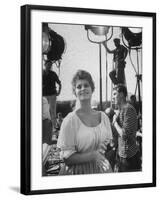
x=134, y=39
x=135, y=30
x=102, y=32
x=98, y=30
x=53, y=44
x=46, y=43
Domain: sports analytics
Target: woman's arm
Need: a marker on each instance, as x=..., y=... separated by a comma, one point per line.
x=79, y=158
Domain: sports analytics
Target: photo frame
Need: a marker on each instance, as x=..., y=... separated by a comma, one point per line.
x=32, y=49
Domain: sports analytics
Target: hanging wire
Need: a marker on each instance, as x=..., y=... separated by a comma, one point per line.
x=132, y=61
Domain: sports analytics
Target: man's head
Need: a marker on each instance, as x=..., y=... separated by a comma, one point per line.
x=116, y=42
x=133, y=98
x=119, y=94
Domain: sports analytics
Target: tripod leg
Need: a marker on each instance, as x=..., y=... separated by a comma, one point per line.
x=136, y=88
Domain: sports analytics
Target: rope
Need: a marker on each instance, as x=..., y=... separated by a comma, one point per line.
x=132, y=61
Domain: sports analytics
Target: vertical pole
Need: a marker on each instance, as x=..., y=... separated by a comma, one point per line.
x=100, y=76
x=111, y=106
x=138, y=78
x=106, y=77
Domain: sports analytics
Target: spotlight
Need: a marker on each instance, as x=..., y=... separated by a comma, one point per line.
x=134, y=38
x=98, y=30
x=100, y=34
x=53, y=44
x=135, y=30
x=46, y=43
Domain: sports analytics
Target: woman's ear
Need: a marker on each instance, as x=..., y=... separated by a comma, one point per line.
x=73, y=90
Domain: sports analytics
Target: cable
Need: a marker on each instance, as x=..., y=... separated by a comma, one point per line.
x=132, y=61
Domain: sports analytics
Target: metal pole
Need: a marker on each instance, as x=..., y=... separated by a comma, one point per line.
x=112, y=86
x=106, y=79
x=138, y=80
x=100, y=76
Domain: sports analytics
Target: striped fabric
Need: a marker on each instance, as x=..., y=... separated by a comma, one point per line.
x=128, y=121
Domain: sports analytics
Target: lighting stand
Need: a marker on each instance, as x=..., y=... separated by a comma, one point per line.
x=100, y=63
x=138, y=82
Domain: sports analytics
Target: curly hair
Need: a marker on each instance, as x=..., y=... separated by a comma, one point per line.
x=82, y=75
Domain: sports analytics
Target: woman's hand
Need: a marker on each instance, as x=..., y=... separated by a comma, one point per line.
x=103, y=147
x=101, y=160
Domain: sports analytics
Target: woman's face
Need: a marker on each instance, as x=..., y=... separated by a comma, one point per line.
x=83, y=90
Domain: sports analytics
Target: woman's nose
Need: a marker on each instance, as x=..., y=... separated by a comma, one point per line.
x=83, y=87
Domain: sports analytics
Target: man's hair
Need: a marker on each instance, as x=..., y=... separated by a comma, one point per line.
x=133, y=97
x=121, y=88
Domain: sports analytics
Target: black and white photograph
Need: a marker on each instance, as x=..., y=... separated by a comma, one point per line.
x=92, y=99
x=80, y=100
x=87, y=99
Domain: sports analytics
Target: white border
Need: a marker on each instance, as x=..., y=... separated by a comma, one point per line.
x=43, y=183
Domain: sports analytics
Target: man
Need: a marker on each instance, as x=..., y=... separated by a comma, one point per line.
x=120, y=53
x=125, y=123
x=50, y=79
x=133, y=102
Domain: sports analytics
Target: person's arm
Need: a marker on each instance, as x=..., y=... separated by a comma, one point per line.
x=78, y=158
x=59, y=85
x=118, y=128
x=115, y=124
x=129, y=123
x=125, y=52
x=59, y=89
x=107, y=49
x=94, y=156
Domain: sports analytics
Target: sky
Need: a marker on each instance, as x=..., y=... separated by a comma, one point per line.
x=80, y=53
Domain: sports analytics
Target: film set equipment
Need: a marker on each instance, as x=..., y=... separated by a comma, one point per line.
x=53, y=44
x=132, y=39
x=98, y=35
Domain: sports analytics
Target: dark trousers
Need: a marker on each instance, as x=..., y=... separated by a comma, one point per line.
x=117, y=76
x=128, y=164
x=46, y=131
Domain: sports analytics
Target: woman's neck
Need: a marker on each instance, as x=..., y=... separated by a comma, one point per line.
x=85, y=106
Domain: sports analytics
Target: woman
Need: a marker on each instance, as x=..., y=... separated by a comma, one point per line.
x=84, y=133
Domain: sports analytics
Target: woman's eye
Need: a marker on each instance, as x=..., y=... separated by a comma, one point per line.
x=86, y=85
x=79, y=87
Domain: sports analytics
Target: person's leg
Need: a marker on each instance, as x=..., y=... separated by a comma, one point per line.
x=46, y=131
x=134, y=163
x=112, y=75
x=121, y=72
x=120, y=75
x=52, y=104
x=123, y=165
